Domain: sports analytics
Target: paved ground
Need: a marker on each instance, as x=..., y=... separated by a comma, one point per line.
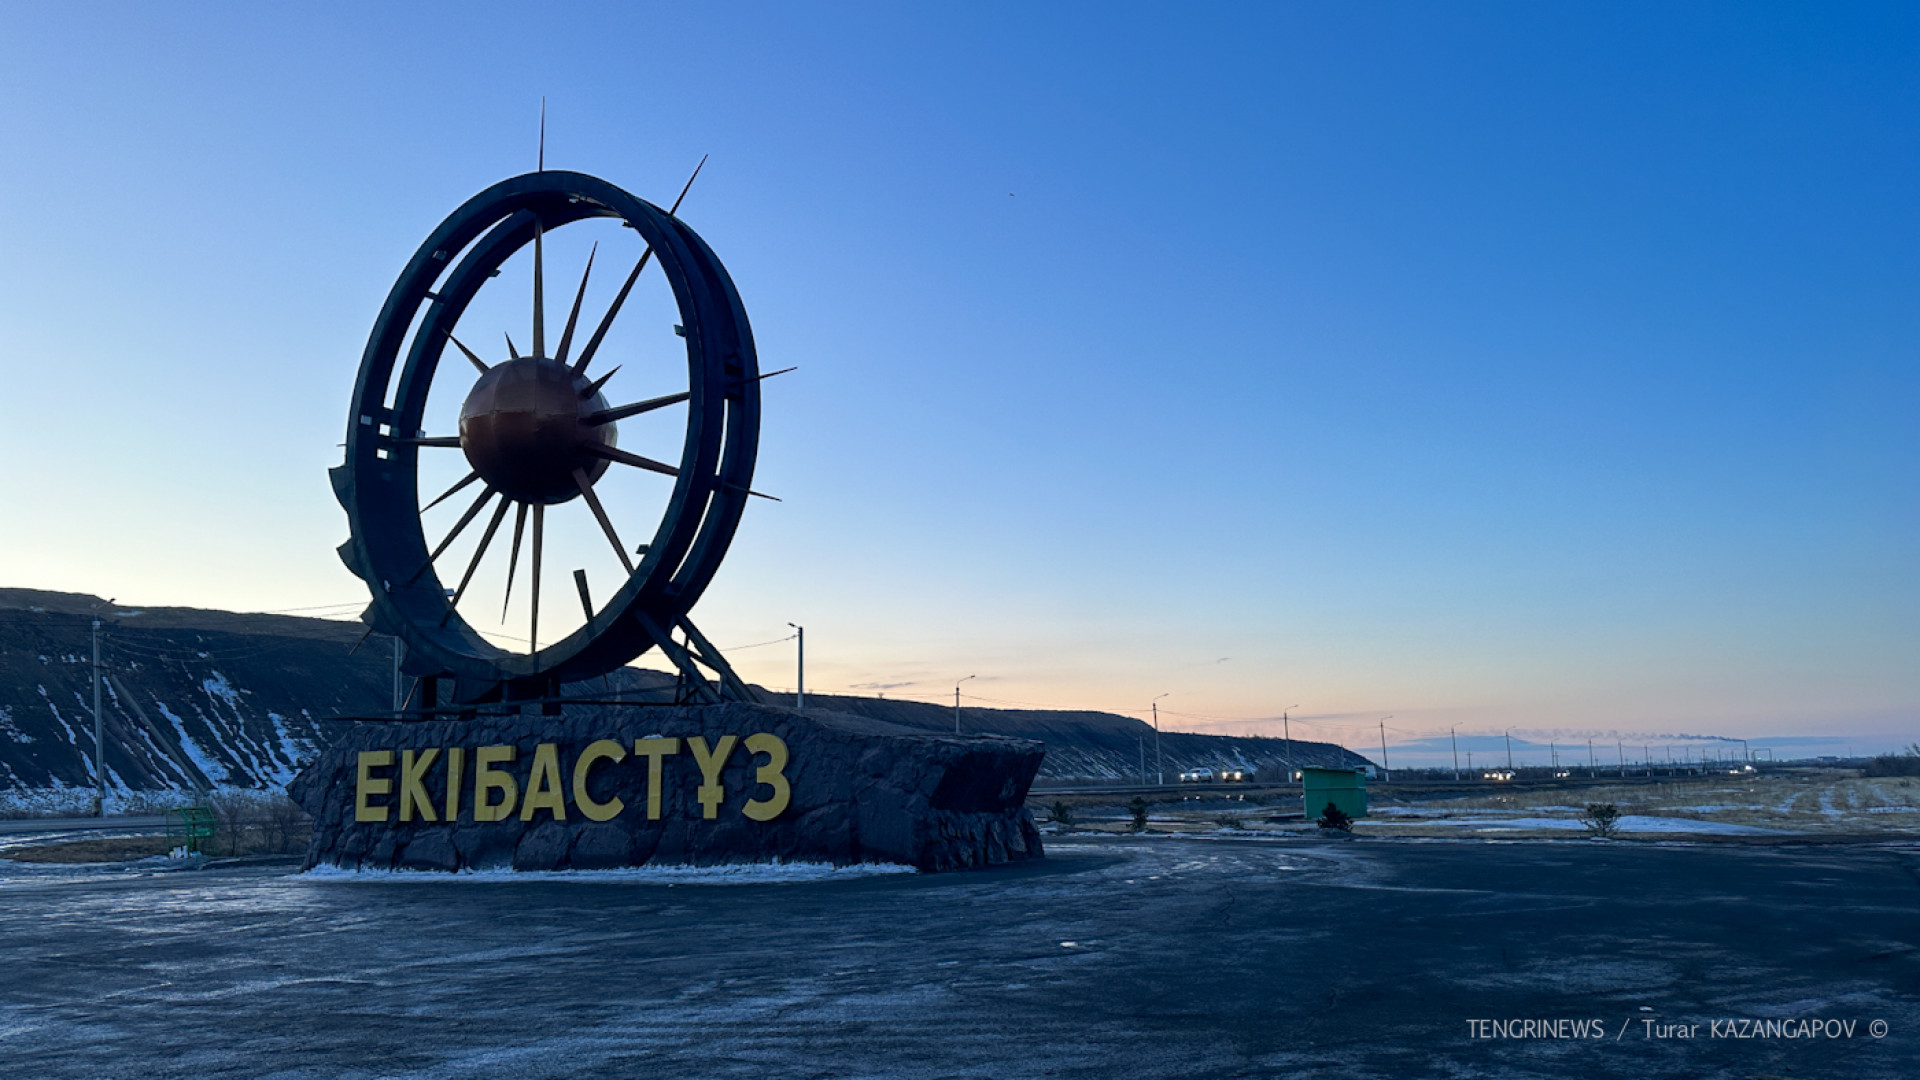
x=1117, y=957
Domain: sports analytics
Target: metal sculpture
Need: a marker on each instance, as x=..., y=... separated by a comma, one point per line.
x=540, y=438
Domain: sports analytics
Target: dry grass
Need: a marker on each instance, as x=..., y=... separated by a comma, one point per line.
x=92, y=850
x=1789, y=803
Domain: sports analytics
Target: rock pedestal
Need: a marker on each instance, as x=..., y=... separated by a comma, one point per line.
x=615, y=786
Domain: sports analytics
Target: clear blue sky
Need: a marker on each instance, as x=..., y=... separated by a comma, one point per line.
x=1481, y=365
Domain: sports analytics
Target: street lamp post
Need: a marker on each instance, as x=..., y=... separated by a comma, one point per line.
x=1454, y=736
x=1159, y=763
x=1386, y=771
x=1509, y=749
x=956, y=705
x=1286, y=725
x=800, y=691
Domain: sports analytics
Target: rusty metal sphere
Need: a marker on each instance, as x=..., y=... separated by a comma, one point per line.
x=524, y=428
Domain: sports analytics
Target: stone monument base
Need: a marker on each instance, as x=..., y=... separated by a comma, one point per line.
x=614, y=786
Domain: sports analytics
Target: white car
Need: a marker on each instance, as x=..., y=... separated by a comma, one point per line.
x=1197, y=776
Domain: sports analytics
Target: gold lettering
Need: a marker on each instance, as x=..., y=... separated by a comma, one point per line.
x=655, y=749
x=772, y=774
x=711, y=792
x=413, y=791
x=366, y=784
x=487, y=779
x=543, y=784
x=456, y=769
x=596, y=811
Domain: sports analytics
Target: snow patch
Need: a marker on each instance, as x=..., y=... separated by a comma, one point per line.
x=209, y=766
x=730, y=874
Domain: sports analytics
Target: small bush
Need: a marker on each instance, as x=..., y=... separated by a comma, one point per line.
x=1062, y=815
x=1335, y=818
x=284, y=827
x=1903, y=764
x=1138, y=808
x=1602, y=819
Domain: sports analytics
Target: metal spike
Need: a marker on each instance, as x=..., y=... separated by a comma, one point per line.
x=566, y=336
x=539, y=290
x=477, y=362
x=539, y=527
x=586, y=598
x=600, y=515
x=513, y=558
x=594, y=387
x=614, y=453
x=468, y=479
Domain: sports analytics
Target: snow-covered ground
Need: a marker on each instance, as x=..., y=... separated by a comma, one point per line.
x=731, y=874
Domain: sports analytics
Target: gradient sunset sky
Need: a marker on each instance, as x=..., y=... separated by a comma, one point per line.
x=1481, y=365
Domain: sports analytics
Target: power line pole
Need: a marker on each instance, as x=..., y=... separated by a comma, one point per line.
x=800, y=691
x=1159, y=763
x=1592, y=769
x=1455, y=737
x=1286, y=725
x=1509, y=749
x=99, y=730
x=1386, y=772
x=1621, y=750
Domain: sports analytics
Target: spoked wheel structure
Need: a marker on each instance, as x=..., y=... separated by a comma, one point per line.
x=539, y=435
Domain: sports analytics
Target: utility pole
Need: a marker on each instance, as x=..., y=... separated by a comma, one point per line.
x=956, y=717
x=800, y=692
x=99, y=730
x=1286, y=725
x=1386, y=773
x=1509, y=749
x=1553, y=749
x=1593, y=770
x=1451, y=734
x=1159, y=763
x=1618, y=749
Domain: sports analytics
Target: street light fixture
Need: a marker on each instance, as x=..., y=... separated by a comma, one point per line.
x=956, y=705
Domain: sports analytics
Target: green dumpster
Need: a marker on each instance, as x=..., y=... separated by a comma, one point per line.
x=1344, y=788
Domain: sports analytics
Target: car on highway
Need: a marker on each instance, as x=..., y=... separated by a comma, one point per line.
x=1197, y=776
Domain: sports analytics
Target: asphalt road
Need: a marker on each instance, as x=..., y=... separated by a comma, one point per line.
x=31, y=826
x=1116, y=957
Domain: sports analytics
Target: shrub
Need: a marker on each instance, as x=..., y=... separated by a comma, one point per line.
x=1601, y=819
x=284, y=827
x=1335, y=818
x=1062, y=814
x=1138, y=808
x=1903, y=764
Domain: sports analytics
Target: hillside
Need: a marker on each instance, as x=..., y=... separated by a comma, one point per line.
x=197, y=698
